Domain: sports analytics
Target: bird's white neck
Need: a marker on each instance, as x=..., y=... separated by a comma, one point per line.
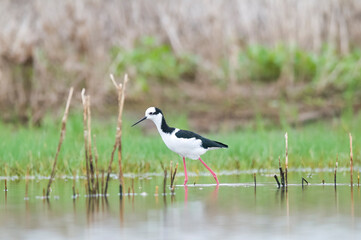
x=162, y=125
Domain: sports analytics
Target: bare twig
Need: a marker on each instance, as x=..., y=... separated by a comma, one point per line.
x=304, y=180
x=282, y=175
x=173, y=176
x=278, y=182
x=118, y=140
x=351, y=159
x=286, y=167
x=74, y=178
x=334, y=177
x=85, y=120
x=62, y=136
x=254, y=179
x=27, y=184
x=164, y=182
x=96, y=166
x=89, y=146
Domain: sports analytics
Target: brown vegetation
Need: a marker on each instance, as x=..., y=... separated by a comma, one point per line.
x=46, y=46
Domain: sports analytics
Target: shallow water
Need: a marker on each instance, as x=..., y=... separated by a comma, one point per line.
x=234, y=210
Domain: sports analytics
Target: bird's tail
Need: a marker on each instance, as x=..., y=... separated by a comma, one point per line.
x=221, y=145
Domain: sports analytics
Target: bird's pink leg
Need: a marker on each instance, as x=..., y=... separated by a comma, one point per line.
x=209, y=169
x=185, y=171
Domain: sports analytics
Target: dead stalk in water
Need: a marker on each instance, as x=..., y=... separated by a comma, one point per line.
x=74, y=177
x=6, y=185
x=286, y=167
x=254, y=179
x=85, y=120
x=278, y=182
x=133, y=186
x=118, y=140
x=334, y=177
x=102, y=181
x=282, y=175
x=62, y=136
x=96, y=166
x=304, y=180
x=351, y=159
x=89, y=146
x=173, y=176
x=165, y=182
x=27, y=183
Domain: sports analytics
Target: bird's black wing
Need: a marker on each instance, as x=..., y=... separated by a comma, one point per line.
x=206, y=143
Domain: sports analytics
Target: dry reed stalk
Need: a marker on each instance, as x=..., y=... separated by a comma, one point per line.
x=173, y=176
x=133, y=186
x=89, y=143
x=286, y=167
x=351, y=159
x=27, y=184
x=335, y=173
x=6, y=185
x=118, y=140
x=278, y=182
x=96, y=166
x=304, y=180
x=282, y=175
x=74, y=176
x=254, y=179
x=62, y=136
x=164, y=182
x=156, y=190
x=102, y=182
x=85, y=120
x=171, y=172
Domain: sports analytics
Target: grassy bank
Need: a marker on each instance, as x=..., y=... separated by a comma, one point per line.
x=315, y=145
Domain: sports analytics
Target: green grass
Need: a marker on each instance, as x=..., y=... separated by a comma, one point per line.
x=315, y=145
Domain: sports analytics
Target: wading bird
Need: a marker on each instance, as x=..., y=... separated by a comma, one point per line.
x=186, y=143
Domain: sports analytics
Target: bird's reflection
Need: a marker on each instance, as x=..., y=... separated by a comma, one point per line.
x=185, y=194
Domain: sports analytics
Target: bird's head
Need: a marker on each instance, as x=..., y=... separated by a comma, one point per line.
x=152, y=113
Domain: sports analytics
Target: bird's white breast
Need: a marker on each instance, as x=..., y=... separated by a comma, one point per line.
x=186, y=147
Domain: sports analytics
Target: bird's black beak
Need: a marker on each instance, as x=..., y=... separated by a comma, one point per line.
x=139, y=121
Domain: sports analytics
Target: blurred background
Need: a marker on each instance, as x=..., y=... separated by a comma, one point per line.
x=235, y=62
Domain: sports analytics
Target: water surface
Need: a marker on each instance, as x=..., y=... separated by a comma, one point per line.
x=234, y=210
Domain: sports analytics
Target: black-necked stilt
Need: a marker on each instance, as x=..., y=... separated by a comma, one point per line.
x=186, y=143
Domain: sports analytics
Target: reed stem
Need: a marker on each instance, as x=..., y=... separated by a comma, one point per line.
x=286, y=167
x=118, y=139
x=85, y=125
x=282, y=175
x=351, y=160
x=62, y=136
x=173, y=175
x=334, y=177
x=304, y=180
x=96, y=166
x=278, y=182
x=254, y=179
x=164, y=182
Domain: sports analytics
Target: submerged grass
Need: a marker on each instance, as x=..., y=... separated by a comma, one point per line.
x=315, y=145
